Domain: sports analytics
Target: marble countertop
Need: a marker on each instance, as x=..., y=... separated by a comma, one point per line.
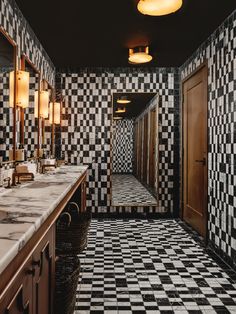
x=24, y=208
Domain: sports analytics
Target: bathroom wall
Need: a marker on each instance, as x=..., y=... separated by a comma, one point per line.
x=15, y=25
x=220, y=52
x=122, y=146
x=87, y=122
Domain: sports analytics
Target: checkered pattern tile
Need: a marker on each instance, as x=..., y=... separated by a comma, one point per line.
x=219, y=51
x=87, y=124
x=140, y=266
x=128, y=191
x=122, y=146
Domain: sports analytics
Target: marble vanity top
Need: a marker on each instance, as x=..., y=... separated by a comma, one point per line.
x=24, y=208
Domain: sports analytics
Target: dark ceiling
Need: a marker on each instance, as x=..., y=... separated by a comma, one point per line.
x=139, y=102
x=82, y=33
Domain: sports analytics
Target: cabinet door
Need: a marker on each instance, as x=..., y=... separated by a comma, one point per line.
x=18, y=298
x=43, y=281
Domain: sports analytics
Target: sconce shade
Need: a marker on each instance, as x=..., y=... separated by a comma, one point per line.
x=22, y=89
x=44, y=103
x=139, y=55
x=57, y=113
x=36, y=104
x=159, y=7
x=11, y=88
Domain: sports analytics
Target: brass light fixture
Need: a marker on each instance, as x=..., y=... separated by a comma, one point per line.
x=123, y=100
x=55, y=113
x=159, y=7
x=44, y=102
x=120, y=110
x=22, y=89
x=139, y=55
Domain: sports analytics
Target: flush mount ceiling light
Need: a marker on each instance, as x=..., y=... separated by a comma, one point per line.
x=139, y=55
x=159, y=7
x=120, y=110
x=117, y=118
x=123, y=100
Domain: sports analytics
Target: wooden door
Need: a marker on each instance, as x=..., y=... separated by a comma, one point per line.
x=195, y=150
x=43, y=283
x=19, y=298
x=136, y=141
x=140, y=145
x=152, y=149
x=145, y=148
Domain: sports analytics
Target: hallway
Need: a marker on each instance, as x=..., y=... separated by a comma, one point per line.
x=128, y=191
x=140, y=266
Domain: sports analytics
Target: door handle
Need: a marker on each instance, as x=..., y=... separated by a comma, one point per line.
x=203, y=161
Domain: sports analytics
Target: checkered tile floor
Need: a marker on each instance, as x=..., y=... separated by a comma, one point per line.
x=140, y=266
x=128, y=191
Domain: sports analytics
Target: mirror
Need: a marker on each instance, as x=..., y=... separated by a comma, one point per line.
x=135, y=149
x=31, y=122
x=7, y=66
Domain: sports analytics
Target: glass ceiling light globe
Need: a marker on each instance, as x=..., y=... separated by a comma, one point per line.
x=123, y=100
x=159, y=7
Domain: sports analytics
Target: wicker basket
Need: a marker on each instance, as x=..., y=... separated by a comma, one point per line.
x=72, y=230
x=67, y=275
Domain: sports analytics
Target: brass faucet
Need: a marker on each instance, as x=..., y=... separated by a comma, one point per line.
x=21, y=174
x=8, y=180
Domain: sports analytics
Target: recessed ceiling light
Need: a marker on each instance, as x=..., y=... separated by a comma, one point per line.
x=123, y=100
x=139, y=55
x=159, y=7
x=120, y=110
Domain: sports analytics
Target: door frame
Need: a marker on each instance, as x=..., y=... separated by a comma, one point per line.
x=203, y=65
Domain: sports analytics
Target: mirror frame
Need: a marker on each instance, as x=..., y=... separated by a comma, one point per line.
x=24, y=60
x=15, y=48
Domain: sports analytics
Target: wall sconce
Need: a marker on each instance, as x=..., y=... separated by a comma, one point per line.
x=55, y=109
x=139, y=55
x=22, y=89
x=44, y=101
x=159, y=7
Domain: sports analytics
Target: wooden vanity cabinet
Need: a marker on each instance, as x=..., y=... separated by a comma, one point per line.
x=27, y=285
x=19, y=296
x=31, y=291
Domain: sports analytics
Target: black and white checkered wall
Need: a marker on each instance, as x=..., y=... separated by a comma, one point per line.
x=220, y=52
x=87, y=123
x=16, y=26
x=6, y=117
x=30, y=127
x=122, y=146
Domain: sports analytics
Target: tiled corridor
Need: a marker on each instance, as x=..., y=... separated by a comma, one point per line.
x=140, y=266
x=128, y=191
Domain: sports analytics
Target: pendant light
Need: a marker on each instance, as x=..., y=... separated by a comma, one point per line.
x=159, y=7
x=139, y=55
x=123, y=100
